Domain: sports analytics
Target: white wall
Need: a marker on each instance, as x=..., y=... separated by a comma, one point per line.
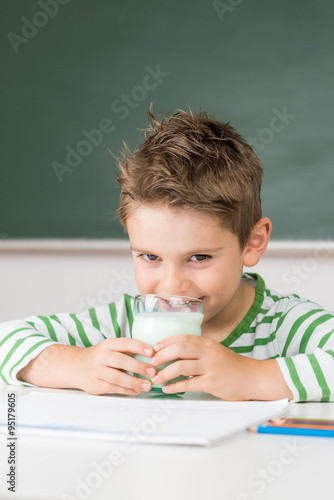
x=45, y=277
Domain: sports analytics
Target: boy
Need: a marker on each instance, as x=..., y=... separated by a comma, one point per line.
x=190, y=202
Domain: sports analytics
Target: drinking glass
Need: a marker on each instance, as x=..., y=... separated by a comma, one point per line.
x=157, y=317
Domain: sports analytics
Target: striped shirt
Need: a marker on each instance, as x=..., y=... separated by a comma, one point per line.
x=298, y=333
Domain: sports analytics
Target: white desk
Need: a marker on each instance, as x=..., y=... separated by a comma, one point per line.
x=245, y=467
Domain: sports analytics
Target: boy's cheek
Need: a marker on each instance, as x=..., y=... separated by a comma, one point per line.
x=145, y=284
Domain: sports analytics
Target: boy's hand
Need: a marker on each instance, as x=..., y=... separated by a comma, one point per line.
x=99, y=369
x=217, y=370
x=102, y=368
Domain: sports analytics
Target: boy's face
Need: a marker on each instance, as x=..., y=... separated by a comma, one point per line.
x=185, y=253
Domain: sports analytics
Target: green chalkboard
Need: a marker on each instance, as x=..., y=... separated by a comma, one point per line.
x=78, y=77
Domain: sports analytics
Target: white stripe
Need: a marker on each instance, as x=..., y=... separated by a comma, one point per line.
x=122, y=317
x=317, y=334
x=326, y=362
x=104, y=318
x=19, y=352
x=287, y=377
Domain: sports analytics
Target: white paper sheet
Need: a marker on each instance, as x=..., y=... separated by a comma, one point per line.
x=142, y=419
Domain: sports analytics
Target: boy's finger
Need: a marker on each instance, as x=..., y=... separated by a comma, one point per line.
x=122, y=379
x=175, y=351
x=125, y=362
x=130, y=346
x=107, y=388
x=188, y=368
x=189, y=384
x=175, y=339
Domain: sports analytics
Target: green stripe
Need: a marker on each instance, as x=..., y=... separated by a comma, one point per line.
x=282, y=318
x=242, y=348
x=251, y=329
x=129, y=313
x=258, y=342
x=55, y=318
x=326, y=392
x=13, y=349
x=295, y=327
x=331, y=353
x=49, y=326
x=310, y=329
x=95, y=321
x=27, y=353
x=296, y=304
x=13, y=333
x=324, y=339
x=275, y=298
x=71, y=339
x=266, y=340
x=113, y=314
x=295, y=379
x=85, y=340
x=269, y=319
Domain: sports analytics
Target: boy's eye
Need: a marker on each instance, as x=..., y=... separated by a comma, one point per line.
x=148, y=256
x=198, y=257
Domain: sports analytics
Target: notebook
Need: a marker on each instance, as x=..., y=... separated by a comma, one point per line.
x=190, y=419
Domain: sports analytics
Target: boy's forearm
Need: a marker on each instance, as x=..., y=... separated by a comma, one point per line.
x=55, y=367
x=266, y=381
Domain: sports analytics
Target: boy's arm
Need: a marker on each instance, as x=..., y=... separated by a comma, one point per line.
x=99, y=369
x=306, y=344
x=218, y=370
x=23, y=340
x=304, y=371
x=20, y=342
x=310, y=374
x=69, y=350
x=54, y=367
x=306, y=364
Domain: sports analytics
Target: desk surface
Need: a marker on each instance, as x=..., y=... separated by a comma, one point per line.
x=245, y=467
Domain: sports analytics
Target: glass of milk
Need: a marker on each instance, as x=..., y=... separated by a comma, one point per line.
x=159, y=316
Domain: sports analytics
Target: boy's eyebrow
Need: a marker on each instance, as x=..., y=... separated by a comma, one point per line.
x=137, y=250
x=201, y=251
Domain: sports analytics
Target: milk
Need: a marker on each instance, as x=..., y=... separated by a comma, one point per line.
x=156, y=326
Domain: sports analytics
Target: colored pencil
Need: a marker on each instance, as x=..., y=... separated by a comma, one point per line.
x=297, y=426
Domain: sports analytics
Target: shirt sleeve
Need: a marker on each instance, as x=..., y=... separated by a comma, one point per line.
x=306, y=341
x=23, y=340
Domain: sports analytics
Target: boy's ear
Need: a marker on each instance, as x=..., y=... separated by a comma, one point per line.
x=258, y=242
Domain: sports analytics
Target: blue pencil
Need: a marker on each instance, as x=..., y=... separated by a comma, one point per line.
x=297, y=431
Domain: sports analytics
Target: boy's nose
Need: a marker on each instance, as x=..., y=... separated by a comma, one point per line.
x=174, y=282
